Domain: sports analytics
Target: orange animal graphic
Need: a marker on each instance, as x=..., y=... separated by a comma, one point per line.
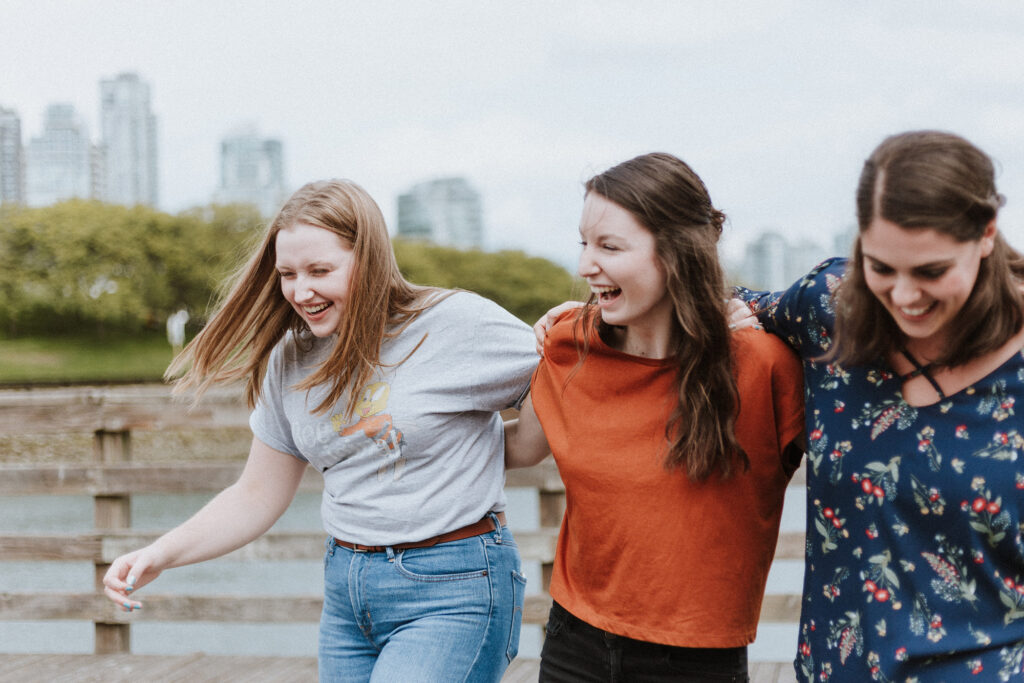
x=377, y=426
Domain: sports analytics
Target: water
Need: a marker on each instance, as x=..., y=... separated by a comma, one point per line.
x=73, y=514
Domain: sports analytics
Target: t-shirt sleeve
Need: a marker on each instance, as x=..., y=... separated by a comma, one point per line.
x=498, y=354
x=268, y=420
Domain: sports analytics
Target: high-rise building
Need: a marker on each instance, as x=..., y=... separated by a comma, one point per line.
x=57, y=163
x=128, y=142
x=445, y=211
x=251, y=172
x=772, y=262
x=12, y=165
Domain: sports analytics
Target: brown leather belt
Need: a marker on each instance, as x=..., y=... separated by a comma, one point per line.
x=474, y=529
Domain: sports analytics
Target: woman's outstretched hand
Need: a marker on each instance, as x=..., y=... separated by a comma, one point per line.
x=127, y=574
x=540, y=328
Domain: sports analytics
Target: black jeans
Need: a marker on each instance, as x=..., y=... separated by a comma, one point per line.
x=576, y=652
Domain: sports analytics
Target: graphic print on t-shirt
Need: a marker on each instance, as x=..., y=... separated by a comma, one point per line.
x=378, y=426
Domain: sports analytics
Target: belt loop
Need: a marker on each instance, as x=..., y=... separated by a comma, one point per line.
x=497, y=526
x=391, y=553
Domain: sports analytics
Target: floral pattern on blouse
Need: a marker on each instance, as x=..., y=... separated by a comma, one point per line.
x=914, y=561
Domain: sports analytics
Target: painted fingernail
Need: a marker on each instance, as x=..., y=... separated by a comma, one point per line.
x=732, y=326
x=129, y=589
x=131, y=580
x=127, y=607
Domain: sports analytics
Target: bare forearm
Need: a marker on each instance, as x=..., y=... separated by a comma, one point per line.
x=235, y=517
x=525, y=442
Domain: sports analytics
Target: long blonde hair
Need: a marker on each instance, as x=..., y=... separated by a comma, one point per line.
x=253, y=316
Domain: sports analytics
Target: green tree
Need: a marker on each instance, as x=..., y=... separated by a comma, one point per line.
x=88, y=266
x=527, y=286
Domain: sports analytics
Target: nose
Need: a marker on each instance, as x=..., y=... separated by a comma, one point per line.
x=587, y=266
x=905, y=291
x=302, y=291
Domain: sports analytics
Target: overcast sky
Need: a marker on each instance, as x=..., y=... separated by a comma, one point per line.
x=774, y=103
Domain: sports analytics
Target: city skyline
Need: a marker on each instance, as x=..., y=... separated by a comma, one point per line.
x=774, y=105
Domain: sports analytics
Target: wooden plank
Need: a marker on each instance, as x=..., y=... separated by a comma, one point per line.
x=536, y=545
x=256, y=608
x=18, y=547
x=790, y=546
x=87, y=409
x=203, y=668
x=95, y=606
x=185, y=477
x=783, y=608
x=116, y=479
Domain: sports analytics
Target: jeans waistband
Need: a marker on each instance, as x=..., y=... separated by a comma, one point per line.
x=475, y=529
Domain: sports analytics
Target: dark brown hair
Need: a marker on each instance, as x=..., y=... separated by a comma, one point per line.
x=670, y=200
x=940, y=181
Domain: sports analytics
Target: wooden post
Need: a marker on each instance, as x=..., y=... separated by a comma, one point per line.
x=552, y=507
x=111, y=512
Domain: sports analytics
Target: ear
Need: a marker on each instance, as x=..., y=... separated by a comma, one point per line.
x=988, y=238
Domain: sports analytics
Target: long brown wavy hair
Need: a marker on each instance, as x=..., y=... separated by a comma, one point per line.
x=670, y=200
x=253, y=315
x=940, y=181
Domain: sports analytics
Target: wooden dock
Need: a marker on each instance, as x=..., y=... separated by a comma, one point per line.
x=200, y=668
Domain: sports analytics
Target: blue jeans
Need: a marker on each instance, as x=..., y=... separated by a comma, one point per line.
x=449, y=612
x=576, y=652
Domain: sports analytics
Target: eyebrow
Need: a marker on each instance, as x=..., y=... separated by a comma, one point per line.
x=919, y=267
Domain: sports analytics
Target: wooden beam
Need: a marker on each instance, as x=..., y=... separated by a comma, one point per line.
x=536, y=545
x=118, y=479
x=253, y=609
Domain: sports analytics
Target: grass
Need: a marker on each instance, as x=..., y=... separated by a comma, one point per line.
x=142, y=357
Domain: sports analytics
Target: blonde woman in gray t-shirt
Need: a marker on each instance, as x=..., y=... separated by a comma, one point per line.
x=392, y=392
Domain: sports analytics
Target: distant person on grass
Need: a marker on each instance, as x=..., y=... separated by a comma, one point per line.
x=392, y=392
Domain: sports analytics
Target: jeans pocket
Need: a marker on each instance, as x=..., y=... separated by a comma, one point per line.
x=453, y=561
x=518, y=600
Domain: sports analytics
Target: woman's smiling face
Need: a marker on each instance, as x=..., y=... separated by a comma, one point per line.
x=922, y=277
x=316, y=267
x=620, y=263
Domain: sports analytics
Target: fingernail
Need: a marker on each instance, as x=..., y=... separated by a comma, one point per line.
x=732, y=326
x=131, y=580
x=129, y=589
x=127, y=607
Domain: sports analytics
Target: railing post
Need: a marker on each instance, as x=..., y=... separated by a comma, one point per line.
x=111, y=512
x=552, y=507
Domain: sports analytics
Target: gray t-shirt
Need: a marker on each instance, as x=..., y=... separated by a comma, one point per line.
x=423, y=452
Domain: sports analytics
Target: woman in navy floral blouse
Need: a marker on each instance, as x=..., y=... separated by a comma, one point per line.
x=915, y=483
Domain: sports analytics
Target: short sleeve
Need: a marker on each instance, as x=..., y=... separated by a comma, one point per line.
x=502, y=356
x=268, y=420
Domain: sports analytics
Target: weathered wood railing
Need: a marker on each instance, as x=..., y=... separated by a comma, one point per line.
x=111, y=415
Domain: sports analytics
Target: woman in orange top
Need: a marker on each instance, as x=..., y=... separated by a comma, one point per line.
x=674, y=436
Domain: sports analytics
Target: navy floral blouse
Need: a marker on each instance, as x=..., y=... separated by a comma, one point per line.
x=914, y=562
